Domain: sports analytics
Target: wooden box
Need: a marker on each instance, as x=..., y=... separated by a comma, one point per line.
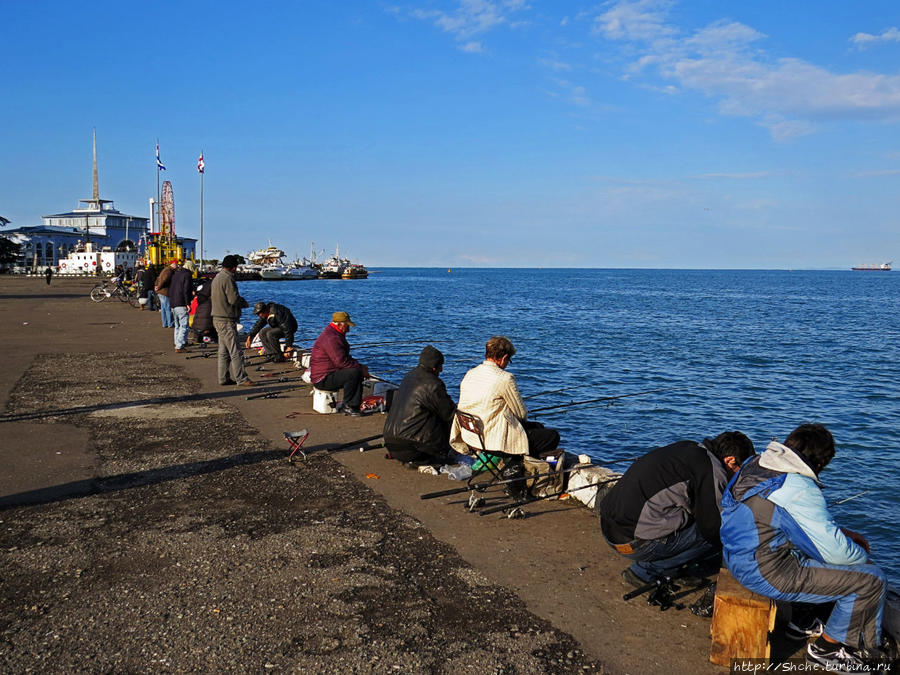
x=741, y=624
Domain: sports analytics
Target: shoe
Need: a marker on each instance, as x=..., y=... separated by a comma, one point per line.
x=804, y=630
x=352, y=412
x=633, y=579
x=227, y=383
x=836, y=658
x=180, y=350
x=247, y=383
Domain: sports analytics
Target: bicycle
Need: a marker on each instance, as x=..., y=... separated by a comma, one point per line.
x=114, y=288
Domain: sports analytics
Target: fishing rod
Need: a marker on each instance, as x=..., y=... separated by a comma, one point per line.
x=204, y=355
x=596, y=400
x=353, y=444
x=277, y=394
x=847, y=499
x=380, y=379
x=552, y=391
x=397, y=342
x=522, y=502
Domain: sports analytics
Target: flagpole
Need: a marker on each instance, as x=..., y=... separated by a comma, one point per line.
x=157, y=183
x=202, y=257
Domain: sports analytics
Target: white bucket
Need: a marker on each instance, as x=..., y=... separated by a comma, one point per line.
x=324, y=402
x=142, y=301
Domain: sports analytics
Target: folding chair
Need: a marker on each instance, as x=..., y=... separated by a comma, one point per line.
x=473, y=424
x=294, y=440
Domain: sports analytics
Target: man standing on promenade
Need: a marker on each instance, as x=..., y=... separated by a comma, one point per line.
x=49, y=274
x=490, y=392
x=418, y=424
x=226, y=310
x=275, y=322
x=332, y=368
x=163, y=281
x=780, y=541
x=664, y=512
x=180, y=295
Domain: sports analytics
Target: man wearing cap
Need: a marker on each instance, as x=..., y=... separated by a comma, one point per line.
x=163, y=281
x=418, y=424
x=275, y=322
x=226, y=310
x=332, y=368
x=181, y=292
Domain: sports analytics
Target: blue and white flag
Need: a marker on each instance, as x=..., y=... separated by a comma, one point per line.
x=159, y=165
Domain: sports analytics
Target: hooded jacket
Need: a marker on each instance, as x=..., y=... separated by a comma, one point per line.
x=774, y=513
x=663, y=492
x=330, y=353
x=421, y=411
x=280, y=317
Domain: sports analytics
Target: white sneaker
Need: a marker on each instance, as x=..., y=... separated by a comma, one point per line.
x=841, y=659
x=804, y=630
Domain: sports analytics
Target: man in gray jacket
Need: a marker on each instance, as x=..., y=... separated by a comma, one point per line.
x=226, y=310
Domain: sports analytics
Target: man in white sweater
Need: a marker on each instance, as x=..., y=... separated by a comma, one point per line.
x=490, y=392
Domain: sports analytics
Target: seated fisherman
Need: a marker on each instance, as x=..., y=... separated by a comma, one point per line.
x=275, y=322
x=490, y=392
x=332, y=368
x=417, y=428
x=780, y=541
x=664, y=512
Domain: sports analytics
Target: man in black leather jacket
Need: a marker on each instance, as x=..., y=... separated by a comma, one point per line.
x=417, y=429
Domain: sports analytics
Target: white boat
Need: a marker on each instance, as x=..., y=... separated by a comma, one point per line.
x=301, y=270
x=266, y=256
x=273, y=271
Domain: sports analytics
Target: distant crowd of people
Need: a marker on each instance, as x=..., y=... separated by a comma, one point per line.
x=677, y=513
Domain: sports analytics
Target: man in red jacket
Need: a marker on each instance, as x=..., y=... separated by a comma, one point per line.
x=332, y=368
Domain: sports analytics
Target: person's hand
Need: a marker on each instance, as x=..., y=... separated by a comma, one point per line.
x=288, y=351
x=365, y=371
x=247, y=343
x=856, y=538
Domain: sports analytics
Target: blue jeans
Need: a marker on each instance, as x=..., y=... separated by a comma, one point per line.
x=663, y=557
x=180, y=314
x=165, y=311
x=152, y=300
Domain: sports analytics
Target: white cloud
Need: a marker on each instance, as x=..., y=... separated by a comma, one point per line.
x=725, y=61
x=472, y=17
x=864, y=40
x=737, y=176
x=473, y=47
x=554, y=64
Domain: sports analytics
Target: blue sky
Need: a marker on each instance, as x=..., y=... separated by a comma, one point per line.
x=501, y=133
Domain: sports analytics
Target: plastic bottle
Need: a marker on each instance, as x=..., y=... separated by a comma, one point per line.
x=457, y=471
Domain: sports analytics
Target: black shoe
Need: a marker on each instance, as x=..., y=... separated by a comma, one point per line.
x=835, y=657
x=812, y=627
x=227, y=383
x=353, y=412
x=633, y=579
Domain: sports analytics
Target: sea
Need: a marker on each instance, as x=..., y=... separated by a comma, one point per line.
x=676, y=354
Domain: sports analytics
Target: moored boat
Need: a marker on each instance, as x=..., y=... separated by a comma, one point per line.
x=355, y=271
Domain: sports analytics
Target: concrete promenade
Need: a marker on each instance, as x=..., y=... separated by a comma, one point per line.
x=150, y=521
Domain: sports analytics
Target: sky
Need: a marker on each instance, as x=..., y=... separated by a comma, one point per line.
x=482, y=133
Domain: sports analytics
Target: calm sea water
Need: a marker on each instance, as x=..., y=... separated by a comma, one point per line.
x=756, y=351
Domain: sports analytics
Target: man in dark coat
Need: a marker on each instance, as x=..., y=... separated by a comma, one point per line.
x=418, y=425
x=275, y=322
x=663, y=513
x=332, y=368
x=181, y=291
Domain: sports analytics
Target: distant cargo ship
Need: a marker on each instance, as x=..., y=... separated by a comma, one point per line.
x=883, y=267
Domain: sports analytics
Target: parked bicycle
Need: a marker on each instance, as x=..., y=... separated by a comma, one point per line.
x=114, y=288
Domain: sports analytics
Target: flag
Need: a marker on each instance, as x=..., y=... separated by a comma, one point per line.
x=159, y=165
x=200, y=164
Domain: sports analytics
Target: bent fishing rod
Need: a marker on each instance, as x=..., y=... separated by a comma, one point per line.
x=595, y=400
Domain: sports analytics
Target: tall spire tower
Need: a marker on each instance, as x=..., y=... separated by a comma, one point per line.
x=94, y=203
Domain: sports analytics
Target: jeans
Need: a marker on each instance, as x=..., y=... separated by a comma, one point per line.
x=270, y=338
x=180, y=315
x=663, y=557
x=165, y=311
x=152, y=300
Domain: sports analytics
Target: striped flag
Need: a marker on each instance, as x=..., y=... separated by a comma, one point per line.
x=159, y=165
x=200, y=164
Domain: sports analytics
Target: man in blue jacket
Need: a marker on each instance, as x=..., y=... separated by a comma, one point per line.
x=780, y=541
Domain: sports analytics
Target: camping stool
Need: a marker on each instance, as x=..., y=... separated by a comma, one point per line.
x=741, y=624
x=294, y=440
x=324, y=402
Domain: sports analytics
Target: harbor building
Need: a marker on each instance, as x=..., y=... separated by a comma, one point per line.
x=95, y=225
